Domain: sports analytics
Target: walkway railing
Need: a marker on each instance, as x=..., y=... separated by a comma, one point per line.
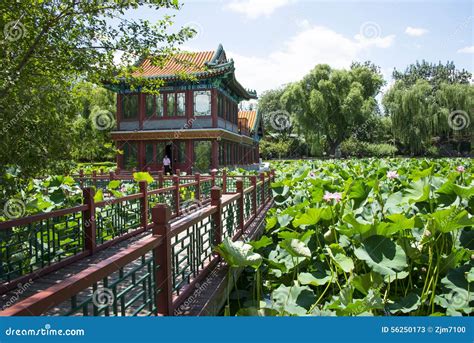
x=156, y=274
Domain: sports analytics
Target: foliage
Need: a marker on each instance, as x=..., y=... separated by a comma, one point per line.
x=355, y=148
x=367, y=237
x=49, y=46
x=422, y=103
x=330, y=104
x=96, y=108
x=435, y=74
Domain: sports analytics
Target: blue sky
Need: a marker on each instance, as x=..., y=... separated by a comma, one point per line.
x=274, y=42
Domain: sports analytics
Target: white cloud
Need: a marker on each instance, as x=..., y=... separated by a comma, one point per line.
x=467, y=50
x=311, y=46
x=253, y=9
x=415, y=31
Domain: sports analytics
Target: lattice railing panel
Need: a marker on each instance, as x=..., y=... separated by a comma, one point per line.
x=130, y=291
x=191, y=249
x=24, y=249
x=115, y=220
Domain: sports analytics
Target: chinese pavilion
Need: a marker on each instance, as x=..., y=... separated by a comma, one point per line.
x=194, y=120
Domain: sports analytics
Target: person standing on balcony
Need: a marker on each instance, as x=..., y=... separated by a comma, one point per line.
x=167, y=165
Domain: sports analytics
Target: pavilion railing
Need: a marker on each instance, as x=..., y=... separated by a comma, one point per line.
x=156, y=274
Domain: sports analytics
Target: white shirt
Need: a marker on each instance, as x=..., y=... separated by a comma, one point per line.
x=166, y=161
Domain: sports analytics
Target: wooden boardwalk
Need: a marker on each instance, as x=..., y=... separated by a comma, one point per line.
x=207, y=298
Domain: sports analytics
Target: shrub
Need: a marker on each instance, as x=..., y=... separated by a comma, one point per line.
x=354, y=148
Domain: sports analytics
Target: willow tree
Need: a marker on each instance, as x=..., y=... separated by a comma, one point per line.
x=48, y=46
x=430, y=103
x=330, y=105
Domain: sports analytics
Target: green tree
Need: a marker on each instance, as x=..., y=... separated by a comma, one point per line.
x=48, y=46
x=330, y=104
x=96, y=118
x=430, y=103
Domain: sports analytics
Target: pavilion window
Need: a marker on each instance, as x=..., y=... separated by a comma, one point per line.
x=154, y=105
x=202, y=103
x=181, y=152
x=221, y=154
x=149, y=154
x=160, y=152
x=130, y=106
x=202, y=156
x=130, y=156
x=180, y=104
x=170, y=104
x=219, y=105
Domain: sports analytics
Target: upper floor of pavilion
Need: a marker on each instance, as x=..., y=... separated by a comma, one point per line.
x=198, y=90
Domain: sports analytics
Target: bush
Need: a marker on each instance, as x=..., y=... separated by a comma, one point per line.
x=352, y=147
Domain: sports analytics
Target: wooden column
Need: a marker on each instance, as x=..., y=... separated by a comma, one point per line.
x=262, y=178
x=215, y=154
x=144, y=204
x=240, y=201
x=253, y=180
x=111, y=175
x=160, y=178
x=213, y=176
x=197, y=193
x=216, y=200
x=163, y=275
x=94, y=178
x=88, y=220
x=224, y=181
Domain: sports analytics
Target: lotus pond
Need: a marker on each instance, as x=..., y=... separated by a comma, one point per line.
x=361, y=237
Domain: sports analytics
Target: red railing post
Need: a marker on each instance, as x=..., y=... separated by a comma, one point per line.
x=160, y=179
x=94, y=178
x=178, y=172
x=101, y=171
x=197, y=193
x=88, y=220
x=216, y=200
x=81, y=178
x=262, y=178
x=224, y=181
x=240, y=201
x=163, y=275
x=144, y=204
x=111, y=175
x=213, y=176
x=176, y=194
x=253, y=180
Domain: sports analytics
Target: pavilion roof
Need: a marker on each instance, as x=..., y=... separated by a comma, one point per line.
x=251, y=117
x=200, y=65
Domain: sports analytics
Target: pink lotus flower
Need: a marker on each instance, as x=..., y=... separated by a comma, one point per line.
x=312, y=175
x=332, y=196
x=460, y=169
x=392, y=174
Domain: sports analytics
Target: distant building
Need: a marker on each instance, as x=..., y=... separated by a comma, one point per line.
x=194, y=120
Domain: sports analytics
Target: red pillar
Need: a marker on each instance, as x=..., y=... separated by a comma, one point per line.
x=215, y=154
